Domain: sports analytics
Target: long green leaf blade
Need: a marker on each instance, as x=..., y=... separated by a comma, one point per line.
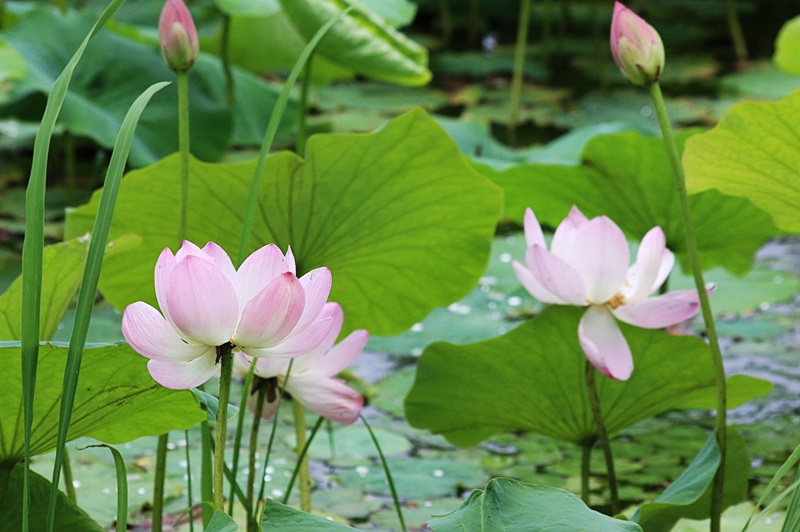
x=34, y=243
x=91, y=274
x=122, y=488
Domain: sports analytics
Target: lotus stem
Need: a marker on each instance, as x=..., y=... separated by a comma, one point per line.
x=586, y=459
x=300, y=435
x=519, y=69
x=225, y=359
x=158, y=482
x=252, y=524
x=183, y=149
x=735, y=28
x=66, y=467
x=302, y=125
x=602, y=437
x=705, y=305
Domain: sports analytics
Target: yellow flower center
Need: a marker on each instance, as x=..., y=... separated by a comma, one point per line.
x=616, y=301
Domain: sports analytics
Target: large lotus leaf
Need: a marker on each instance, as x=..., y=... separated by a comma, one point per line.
x=62, y=269
x=754, y=152
x=117, y=401
x=533, y=379
x=627, y=177
x=361, y=41
x=398, y=216
x=277, y=516
x=690, y=495
x=506, y=503
x=12, y=69
x=69, y=517
x=787, y=47
x=395, y=12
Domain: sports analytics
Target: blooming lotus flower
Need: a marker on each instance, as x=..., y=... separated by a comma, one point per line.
x=262, y=309
x=177, y=35
x=587, y=265
x=312, y=379
x=636, y=47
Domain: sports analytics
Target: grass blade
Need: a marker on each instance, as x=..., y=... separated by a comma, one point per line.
x=300, y=458
x=272, y=128
x=91, y=273
x=34, y=243
x=122, y=487
x=389, y=480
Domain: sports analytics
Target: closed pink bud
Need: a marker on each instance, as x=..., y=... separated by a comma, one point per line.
x=178, y=36
x=636, y=46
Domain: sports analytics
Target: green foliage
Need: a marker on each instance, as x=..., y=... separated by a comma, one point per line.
x=754, y=152
x=61, y=274
x=690, y=495
x=277, y=516
x=469, y=392
x=787, y=47
x=361, y=41
x=626, y=176
x=69, y=516
x=114, y=71
x=117, y=401
x=505, y=504
x=221, y=522
x=398, y=217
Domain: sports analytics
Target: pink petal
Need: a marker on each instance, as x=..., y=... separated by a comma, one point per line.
x=564, y=237
x=643, y=273
x=556, y=276
x=221, y=260
x=342, y=355
x=332, y=312
x=265, y=367
x=290, y=262
x=272, y=314
x=190, y=249
x=664, y=269
x=297, y=344
x=330, y=398
x=165, y=265
x=184, y=375
x=533, y=231
x=202, y=302
x=532, y=285
x=660, y=311
x=601, y=257
x=150, y=335
x=317, y=288
x=258, y=270
x=603, y=344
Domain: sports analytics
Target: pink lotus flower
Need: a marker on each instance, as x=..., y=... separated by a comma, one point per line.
x=636, y=47
x=587, y=265
x=177, y=35
x=312, y=378
x=262, y=309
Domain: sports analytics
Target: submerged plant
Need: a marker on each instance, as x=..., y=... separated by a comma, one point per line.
x=588, y=265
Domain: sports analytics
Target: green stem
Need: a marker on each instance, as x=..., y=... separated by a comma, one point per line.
x=225, y=359
x=206, y=473
x=69, y=484
x=519, y=69
x=189, y=481
x=301, y=455
x=300, y=435
x=735, y=28
x=446, y=19
x=225, y=56
x=586, y=460
x=252, y=523
x=302, y=124
x=602, y=436
x=237, y=440
x=183, y=149
x=158, y=483
x=705, y=305
x=388, y=474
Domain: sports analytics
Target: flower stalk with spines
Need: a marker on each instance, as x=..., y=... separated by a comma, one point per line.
x=639, y=52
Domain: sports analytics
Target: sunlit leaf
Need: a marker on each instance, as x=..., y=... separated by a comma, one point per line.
x=787, y=47
x=754, y=152
x=399, y=218
x=469, y=392
x=361, y=41
x=117, y=401
x=506, y=503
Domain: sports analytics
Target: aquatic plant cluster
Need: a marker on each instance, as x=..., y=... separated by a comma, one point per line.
x=248, y=288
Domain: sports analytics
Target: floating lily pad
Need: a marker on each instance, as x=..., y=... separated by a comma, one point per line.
x=350, y=503
x=353, y=444
x=416, y=478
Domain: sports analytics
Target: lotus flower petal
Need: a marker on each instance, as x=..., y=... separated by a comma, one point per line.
x=603, y=344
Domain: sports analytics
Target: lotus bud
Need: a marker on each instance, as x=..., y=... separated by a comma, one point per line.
x=178, y=36
x=636, y=46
